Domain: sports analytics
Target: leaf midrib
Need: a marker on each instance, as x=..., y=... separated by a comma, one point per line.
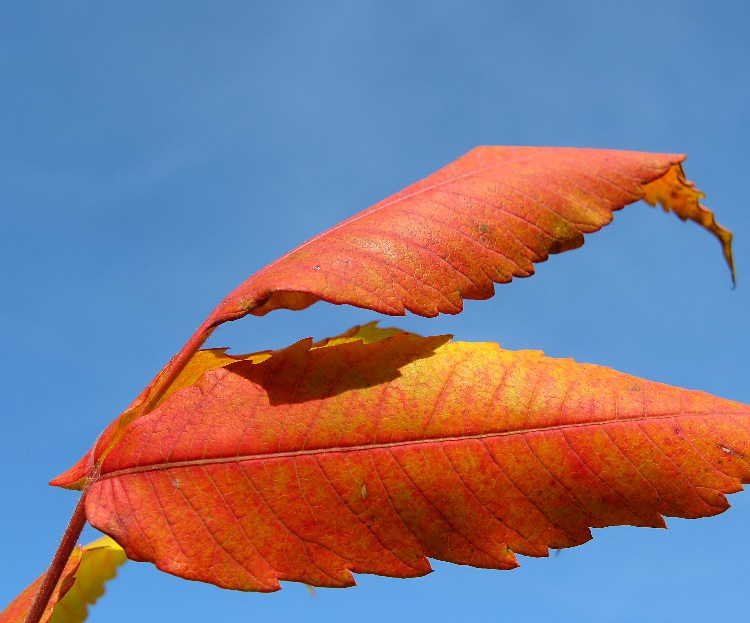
x=394, y=444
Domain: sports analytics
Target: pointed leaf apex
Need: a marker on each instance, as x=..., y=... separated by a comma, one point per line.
x=75, y=477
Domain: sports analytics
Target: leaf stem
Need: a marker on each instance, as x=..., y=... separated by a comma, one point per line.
x=51, y=578
x=150, y=396
x=168, y=374
x=78, y=519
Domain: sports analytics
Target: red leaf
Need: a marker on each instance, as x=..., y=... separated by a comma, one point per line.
x=371, y=457
x=483, y=219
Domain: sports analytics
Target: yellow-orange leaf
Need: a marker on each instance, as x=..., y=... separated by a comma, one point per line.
x=371, y=457
x=680, y=196
x=81, y=584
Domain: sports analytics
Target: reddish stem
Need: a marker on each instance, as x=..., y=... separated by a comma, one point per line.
x=159, y=385
x=155, y=390
x=68, y=542
x=174, y=367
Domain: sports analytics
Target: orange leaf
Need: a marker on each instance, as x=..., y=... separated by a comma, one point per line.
x=371, y=457
x=483, y=219
x=81, y=584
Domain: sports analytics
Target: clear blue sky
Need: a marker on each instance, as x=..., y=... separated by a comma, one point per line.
x=155, y=154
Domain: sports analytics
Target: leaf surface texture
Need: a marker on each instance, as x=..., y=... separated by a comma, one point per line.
x=483, y=219
x=370, y=457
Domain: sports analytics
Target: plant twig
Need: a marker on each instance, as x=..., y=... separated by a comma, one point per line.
x=68, y=542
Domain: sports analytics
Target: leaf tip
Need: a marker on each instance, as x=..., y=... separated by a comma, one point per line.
x=677, y=194
x=76, y=477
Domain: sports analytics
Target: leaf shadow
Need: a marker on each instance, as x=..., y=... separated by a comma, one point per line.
x=302, y=373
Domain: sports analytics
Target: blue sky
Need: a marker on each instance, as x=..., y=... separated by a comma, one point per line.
x=155, y=154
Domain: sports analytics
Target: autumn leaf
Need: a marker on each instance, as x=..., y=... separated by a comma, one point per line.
x=81, y=584
x=483, y=219
x=372, y=456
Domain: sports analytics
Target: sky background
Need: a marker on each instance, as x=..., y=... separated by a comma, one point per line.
x=155, y=154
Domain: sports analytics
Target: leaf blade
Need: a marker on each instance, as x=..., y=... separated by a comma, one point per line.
x=315, y=464
x=485, y=218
